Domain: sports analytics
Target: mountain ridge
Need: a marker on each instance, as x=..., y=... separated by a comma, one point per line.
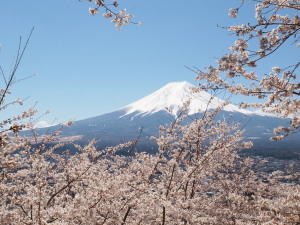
x=124, y=124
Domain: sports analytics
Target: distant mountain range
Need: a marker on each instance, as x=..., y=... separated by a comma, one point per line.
x=149, y=112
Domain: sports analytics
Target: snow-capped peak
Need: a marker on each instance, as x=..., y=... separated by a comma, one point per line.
x=173, y=96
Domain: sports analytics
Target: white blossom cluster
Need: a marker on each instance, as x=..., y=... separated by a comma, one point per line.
x=118, y=18
x=277, y=24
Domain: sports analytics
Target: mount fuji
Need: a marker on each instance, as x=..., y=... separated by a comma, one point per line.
x=173, y=96
x=149, y=112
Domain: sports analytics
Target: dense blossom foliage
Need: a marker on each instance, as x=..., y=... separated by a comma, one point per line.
x=277, y=25
x=196, y=177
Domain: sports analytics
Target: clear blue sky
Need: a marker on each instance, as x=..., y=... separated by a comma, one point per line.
x=87, y=68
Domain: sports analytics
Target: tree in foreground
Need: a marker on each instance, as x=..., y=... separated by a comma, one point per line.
x=277, y=26
x=197, y=177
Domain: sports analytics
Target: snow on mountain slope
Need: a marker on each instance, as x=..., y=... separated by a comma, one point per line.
x=173, y=96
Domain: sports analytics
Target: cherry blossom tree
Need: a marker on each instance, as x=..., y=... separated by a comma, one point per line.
x=277, y=25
